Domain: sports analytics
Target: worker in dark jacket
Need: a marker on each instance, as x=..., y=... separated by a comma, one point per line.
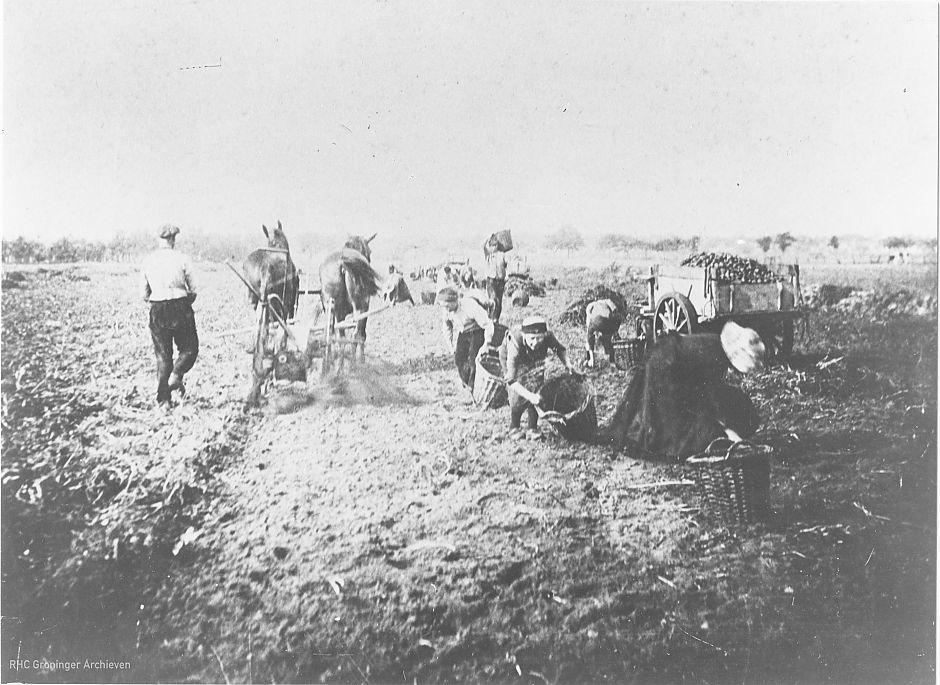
x=677, y=401
x=167, y=284
x=523, y=355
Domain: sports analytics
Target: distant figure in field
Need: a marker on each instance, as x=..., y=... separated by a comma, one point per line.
x=167, y=283
x=447, y=277
x=495, y=275
x=396, y=290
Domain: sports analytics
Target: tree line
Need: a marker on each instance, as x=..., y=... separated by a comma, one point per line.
x=124, y=247
x=201, y=245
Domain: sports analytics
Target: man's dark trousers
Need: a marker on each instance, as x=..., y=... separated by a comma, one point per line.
x=173, y=321
x=494, y=290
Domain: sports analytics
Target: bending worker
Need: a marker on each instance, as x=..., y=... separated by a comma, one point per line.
x=467, y=328
x=603, y=319
x=522, y=355
x=396, y=290
x=167, y=283
x=677, y=402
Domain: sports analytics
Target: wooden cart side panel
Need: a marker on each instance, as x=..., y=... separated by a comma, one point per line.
x=712, y=298
x=744, y=298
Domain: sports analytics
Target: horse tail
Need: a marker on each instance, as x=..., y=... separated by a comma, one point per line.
x=364, y=275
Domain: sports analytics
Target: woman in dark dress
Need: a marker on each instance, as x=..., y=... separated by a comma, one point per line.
x=678, y=401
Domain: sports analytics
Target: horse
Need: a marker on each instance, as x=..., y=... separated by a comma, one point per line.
x=347, y=281
x=270, y=271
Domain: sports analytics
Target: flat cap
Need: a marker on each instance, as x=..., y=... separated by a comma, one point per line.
x=534, y=324
x=168, y=231
x=448, y=294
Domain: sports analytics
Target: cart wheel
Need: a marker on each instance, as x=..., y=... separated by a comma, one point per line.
x=673, y=312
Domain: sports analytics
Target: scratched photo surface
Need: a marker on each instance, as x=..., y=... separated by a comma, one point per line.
x=320, y=498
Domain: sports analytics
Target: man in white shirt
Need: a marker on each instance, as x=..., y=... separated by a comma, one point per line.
x=467, y=328
x=167, y=283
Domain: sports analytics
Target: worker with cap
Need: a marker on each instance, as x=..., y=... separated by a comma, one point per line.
x=495, y=275
x=167, y=284
x=467, y=328
x=678, y=401
x=447, y=277
x=523, y=355
x=602, y=319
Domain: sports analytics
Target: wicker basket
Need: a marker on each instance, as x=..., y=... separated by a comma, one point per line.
x=428, y=297
x=489, y=389
x=734, y=480
x=628, y=352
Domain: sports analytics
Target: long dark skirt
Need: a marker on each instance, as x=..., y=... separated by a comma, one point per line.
x=677, y=402
x=465, y=355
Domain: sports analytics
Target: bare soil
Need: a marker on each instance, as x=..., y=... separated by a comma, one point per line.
x=387, y=530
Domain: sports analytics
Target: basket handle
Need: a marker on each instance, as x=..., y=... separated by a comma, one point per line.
x=732, y=446
x=710, y=451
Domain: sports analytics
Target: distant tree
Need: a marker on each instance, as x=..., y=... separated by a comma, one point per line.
x=23, y=251
x=784, y=240
x=765, y=243
x=612, y=241
x=126, y=247
x=63, y=250
x=92, y=251
x=834, y=242
x=898, y=242
x=566, y=238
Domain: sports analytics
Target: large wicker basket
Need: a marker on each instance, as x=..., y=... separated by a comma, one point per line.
x=628, y=352
x=734, y=480
x=489, y=389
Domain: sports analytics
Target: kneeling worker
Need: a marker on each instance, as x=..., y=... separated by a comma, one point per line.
x=467, y=328
x=603, y=319
x=522, y=355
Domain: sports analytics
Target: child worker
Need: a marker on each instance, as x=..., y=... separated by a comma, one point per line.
x=467, y=328
x=522, y=355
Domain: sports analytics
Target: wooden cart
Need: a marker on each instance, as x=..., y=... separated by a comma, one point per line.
x=688, y=299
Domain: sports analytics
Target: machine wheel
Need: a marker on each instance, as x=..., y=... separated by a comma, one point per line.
x=673, y=312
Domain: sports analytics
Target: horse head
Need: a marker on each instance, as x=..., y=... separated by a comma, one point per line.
x=361, y=245
x=276, y=237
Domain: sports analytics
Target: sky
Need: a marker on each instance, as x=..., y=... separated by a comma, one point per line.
x=409, y=118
